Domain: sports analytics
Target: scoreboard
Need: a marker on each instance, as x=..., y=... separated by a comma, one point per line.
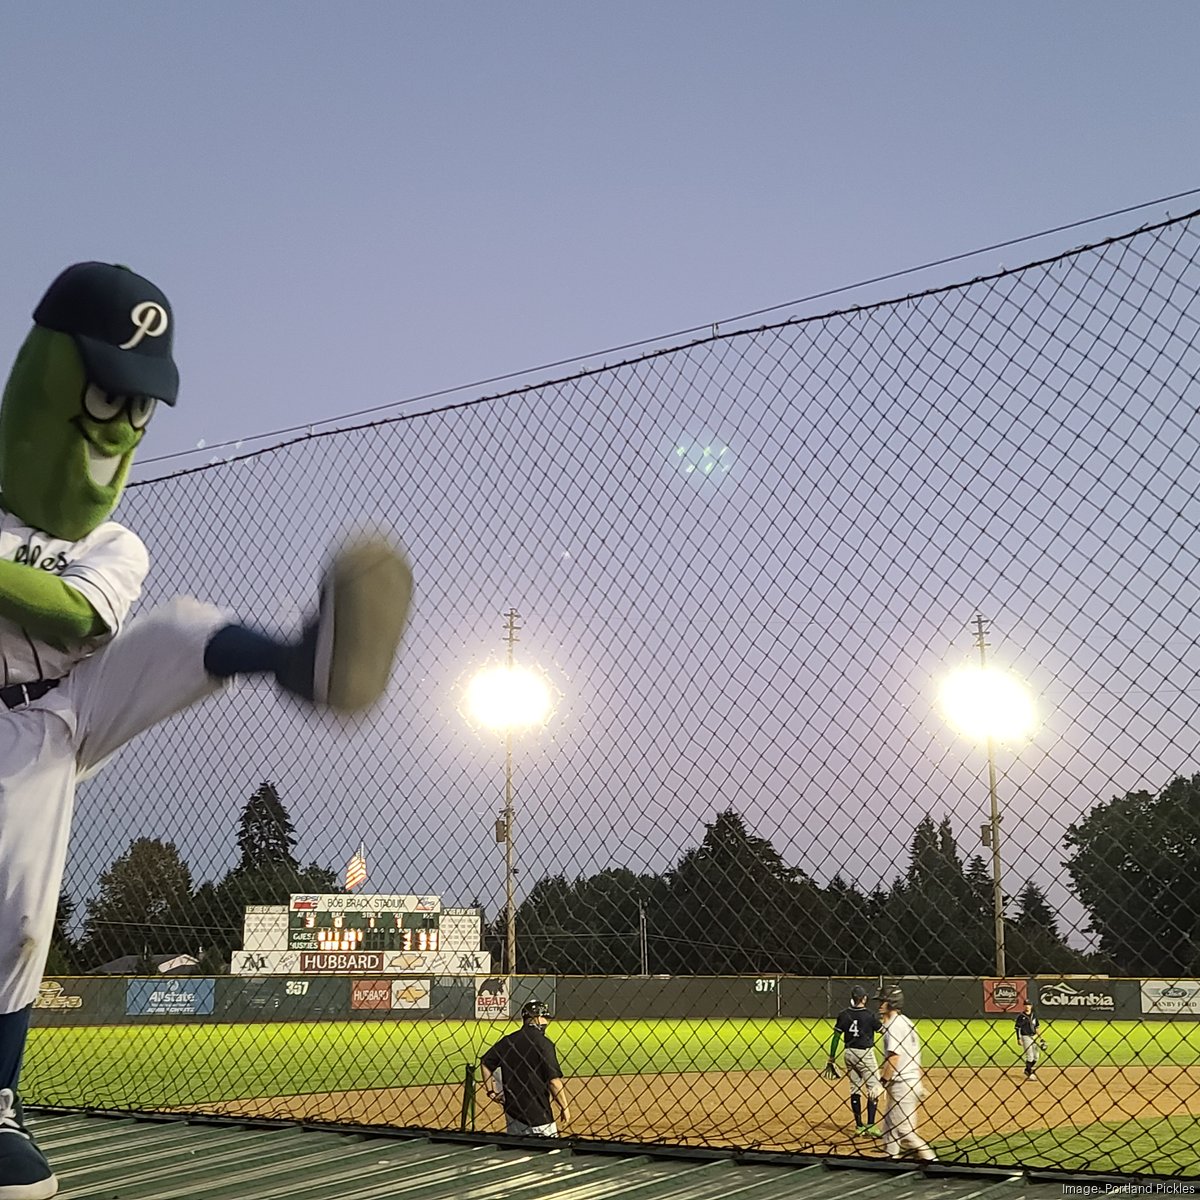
x=362, y=923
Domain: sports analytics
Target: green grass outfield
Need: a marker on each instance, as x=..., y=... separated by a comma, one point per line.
x=163, y=1066
x=1165, y=1146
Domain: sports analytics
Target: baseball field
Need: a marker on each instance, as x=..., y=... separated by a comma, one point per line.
x=1110, y=1096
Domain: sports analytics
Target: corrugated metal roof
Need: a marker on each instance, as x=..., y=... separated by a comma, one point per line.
x=125, y=1158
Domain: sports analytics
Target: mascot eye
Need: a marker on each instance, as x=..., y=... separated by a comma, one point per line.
x=141, y=409
x=99, y=405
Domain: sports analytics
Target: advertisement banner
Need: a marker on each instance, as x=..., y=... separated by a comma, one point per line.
x=389, y=995
x=339, y=962
x=1171, y=996
x=410, y=993
x=371, y=994
x=54, y=996
x=491, y=999
x=178, y=997
x=1004, y=995
x=1081, y=997
x=359, y=962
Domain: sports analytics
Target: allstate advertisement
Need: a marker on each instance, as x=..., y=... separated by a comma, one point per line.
x=181, y=996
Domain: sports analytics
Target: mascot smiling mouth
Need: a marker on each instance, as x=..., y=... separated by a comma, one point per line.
x=102, y=468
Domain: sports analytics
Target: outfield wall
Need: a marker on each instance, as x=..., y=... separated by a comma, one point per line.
x=91, y=1000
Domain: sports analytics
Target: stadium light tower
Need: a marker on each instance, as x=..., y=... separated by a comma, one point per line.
x=989, y=706
x=509, y=699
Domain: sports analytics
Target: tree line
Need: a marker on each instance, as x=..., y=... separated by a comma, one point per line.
x=730, y=905
x=733, y=906
x=146, y=904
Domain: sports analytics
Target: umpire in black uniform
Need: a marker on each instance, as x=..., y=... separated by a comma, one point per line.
x=521, y=1072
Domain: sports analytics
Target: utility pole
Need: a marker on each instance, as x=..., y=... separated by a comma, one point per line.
x=642, y=941
x=510, y=943
x=992, y=829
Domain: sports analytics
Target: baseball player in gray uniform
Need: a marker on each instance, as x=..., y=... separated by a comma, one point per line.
x=858, y=1025
x=1027, y=1026
x=78, y=679
x=901, y=1075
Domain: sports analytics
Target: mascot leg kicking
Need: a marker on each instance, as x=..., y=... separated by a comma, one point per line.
x=77, y=680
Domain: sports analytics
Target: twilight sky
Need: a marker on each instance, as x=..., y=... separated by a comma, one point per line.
x=353, y=206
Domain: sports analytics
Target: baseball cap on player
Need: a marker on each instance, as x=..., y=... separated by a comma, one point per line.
x=121, y=324
x=858, y=993
x=534, y=1009
x=892, y=996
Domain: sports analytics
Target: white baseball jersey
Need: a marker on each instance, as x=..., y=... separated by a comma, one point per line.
x=900, y=1038
x=107, y=568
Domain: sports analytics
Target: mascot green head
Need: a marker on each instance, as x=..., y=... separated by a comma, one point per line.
x=81, y=392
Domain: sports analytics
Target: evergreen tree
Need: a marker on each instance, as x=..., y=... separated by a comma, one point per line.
x=979, y=887
x=950, y=863
x=142, y=906
x=733, y=906
x=1034, y=911
x=932, y=928
x=924, y=860
x=266, y=836
x=267, y=872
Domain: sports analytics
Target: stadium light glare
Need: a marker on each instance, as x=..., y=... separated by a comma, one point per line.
x=508, y=699
x=990, y=706
x=983, y=703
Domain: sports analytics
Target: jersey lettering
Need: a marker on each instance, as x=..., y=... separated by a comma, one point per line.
x=30, y=554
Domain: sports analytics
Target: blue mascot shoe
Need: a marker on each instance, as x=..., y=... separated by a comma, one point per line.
x=24, y=1172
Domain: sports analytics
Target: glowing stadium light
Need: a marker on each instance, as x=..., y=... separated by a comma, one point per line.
x=508, y=699
x=984, y=703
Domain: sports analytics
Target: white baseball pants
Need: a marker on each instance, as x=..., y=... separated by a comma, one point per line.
x=900, y=1118
x=150, y=671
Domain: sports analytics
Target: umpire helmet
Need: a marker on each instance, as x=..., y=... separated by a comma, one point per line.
x=892, y=996
x=533, y=1009
x=858, y=993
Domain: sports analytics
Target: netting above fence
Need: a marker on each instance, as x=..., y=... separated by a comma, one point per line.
x=744, y=568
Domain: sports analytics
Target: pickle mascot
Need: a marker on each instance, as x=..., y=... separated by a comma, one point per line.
x=78, y=679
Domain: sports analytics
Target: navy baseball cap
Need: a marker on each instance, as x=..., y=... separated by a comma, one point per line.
x=122, y=325
x=858, y=993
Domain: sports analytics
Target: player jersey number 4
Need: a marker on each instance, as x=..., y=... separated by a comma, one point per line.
x=107, y=568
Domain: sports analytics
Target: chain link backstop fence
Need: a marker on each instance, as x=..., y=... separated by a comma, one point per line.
x=757, y=575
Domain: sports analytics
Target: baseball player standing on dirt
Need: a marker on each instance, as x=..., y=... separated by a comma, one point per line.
x=858, y=1025
x=1027, y=1026
x=77, y=679
x=901, y=1075
x=521, y=1072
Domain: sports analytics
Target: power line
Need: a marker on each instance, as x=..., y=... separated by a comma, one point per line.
x=713, y=325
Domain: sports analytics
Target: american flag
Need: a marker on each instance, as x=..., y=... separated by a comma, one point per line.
x=356, y=871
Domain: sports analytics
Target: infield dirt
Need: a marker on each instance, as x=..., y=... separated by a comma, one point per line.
x=777, y=1110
